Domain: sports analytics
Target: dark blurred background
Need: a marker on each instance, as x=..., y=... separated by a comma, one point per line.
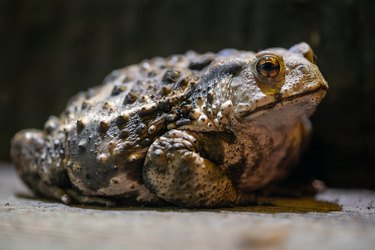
x=49, y=50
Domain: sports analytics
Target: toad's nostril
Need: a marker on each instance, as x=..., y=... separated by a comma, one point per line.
x=304, y=49
x=303, y=69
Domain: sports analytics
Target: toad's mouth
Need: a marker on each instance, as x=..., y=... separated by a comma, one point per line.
x=281, y=100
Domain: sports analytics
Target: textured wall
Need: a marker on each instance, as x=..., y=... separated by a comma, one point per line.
x=52, y=49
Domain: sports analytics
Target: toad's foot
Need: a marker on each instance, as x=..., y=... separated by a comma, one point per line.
x=175, y=171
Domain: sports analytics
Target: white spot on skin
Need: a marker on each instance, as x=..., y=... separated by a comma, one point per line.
x=108, y=106
x=195, y=113
x=146, y=66
x=145, y=98
x=227, y=107
x=125, y=116
x=81, y=122
x=158, y=152
x=151, y=129
x=219, y=116
x=102, y=157
x=133, y=157
x=150, y=106
x=103, y=126
x=216, y=122
x=202, y=119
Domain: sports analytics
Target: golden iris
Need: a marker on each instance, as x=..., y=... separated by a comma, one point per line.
x=268, y=66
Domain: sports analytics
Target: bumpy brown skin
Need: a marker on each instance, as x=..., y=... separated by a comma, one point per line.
x=191, y=130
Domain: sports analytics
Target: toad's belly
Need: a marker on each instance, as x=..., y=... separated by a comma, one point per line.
x=262, y=157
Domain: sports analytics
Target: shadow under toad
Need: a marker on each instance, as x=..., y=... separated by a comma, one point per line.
x=264, y=205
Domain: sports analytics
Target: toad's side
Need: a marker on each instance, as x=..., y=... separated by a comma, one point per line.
x=192, y=130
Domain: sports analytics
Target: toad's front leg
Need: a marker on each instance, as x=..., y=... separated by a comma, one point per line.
x=175, y=171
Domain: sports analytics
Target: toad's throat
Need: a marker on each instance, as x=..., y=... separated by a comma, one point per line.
x=280, y=99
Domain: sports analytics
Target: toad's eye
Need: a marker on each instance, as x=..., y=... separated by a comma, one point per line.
x=269, y=72
x=268, y=66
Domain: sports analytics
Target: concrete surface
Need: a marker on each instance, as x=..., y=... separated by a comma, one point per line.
x=29, y=223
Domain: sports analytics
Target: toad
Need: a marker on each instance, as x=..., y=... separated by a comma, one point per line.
x=193, y=130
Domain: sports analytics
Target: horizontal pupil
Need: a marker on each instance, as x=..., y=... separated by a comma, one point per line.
x=268, y=66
